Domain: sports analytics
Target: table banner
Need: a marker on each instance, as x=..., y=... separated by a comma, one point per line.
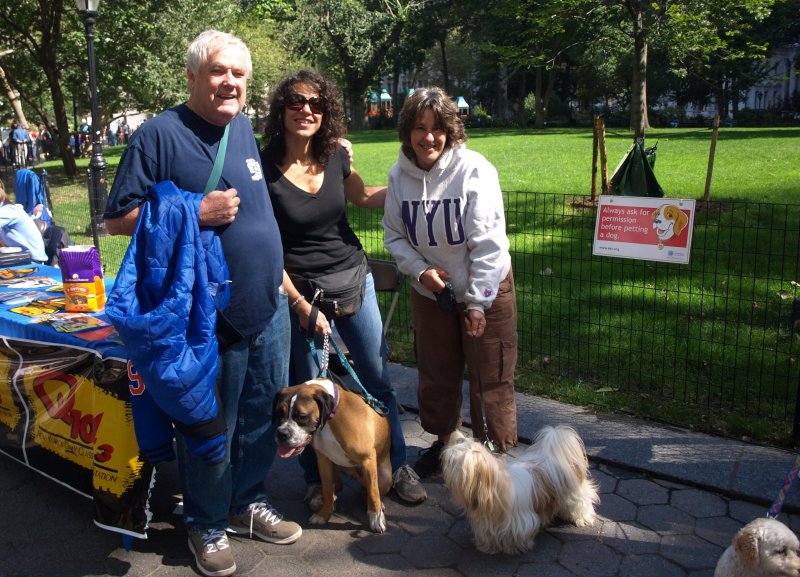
x=65, y=412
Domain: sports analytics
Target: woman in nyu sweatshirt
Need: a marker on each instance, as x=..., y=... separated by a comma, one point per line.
x=445, y=226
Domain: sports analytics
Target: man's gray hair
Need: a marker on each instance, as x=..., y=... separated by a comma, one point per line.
x=209, y=43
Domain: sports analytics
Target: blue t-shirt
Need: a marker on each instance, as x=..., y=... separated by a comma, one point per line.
x=180, y=146
x=18, y=229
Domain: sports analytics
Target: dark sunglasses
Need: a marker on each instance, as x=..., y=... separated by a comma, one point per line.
x=298, y=101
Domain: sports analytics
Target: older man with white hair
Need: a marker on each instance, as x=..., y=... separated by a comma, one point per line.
x=181, y=145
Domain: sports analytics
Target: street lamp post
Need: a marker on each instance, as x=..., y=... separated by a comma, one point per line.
x=97, y=165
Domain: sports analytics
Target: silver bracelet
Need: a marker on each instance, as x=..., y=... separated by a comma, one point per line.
x=297, y=301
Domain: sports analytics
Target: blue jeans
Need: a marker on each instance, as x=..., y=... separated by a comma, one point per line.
x=363, y=335
x=252, y=371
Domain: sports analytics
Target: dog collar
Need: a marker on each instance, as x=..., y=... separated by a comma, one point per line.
x=331, y=389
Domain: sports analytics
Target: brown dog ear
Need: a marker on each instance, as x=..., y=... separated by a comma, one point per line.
x=278, y=404
x=745, y=543
x=326, y=406
x=680, y=222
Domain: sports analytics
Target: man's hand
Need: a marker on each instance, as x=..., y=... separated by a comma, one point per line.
x=219, y=207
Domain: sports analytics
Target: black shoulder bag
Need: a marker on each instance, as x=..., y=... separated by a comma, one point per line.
x=338, y=294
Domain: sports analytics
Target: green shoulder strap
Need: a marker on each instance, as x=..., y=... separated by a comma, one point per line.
x=219, y=161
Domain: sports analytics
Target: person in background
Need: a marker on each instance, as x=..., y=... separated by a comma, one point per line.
x=445, y=226
x=20, y=137
x=42, y=144
x=180, y=145
x=111, y=134
x=17, y=228
x=6, y=151
x=311, y=180
x=33, y=146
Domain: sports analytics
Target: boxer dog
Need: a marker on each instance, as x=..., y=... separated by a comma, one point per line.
x=347, y=435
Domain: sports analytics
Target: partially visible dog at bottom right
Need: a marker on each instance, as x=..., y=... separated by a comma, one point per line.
x=763, y=548
x=507, y=502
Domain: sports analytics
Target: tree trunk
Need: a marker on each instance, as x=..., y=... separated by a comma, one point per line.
x=13, y=99
x=62, y=124
x=639, y=121
x=46, y=58
x=356, y=89
x=445, y=72
x=722, y=101
x=521, y=94
x=538, y=106
x=395, y=93
x=549, y=89
x=501, y=101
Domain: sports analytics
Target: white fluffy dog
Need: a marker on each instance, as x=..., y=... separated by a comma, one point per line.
x=507, y=503
x=762, y=548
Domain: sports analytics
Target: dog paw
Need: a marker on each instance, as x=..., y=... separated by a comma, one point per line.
x=377, y=521
x=317, y=519
x=584, y=521
x=314, y=499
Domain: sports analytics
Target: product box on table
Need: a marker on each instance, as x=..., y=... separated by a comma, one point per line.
x=82, y=275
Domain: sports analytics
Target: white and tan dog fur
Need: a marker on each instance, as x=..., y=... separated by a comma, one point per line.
x=762, y=548
x=508, y=502
x=347, y=435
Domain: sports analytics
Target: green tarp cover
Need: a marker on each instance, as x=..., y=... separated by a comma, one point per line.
x=634, y=176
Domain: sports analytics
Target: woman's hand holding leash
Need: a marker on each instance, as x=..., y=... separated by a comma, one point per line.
x=321, y=324
x=303, y=309
x=433, y=278
x=476, y=323
x=437, y=281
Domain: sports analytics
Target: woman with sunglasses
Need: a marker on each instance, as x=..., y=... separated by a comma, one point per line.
x=311, y=179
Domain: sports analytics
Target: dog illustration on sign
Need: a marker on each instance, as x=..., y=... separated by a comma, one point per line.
x=669, y=221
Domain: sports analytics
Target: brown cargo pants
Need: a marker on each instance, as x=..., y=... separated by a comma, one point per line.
x=443, y=348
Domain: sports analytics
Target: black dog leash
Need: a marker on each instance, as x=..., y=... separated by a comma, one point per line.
x=487, y=442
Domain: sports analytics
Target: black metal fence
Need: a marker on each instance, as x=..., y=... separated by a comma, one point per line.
x=716, y=339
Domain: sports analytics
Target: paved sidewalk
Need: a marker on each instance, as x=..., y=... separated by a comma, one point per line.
x=671, y=500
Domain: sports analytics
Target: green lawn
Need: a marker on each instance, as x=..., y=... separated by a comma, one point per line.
x=750, y=163
x=587, y=329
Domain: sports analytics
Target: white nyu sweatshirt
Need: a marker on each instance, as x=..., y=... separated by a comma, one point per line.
x=450, y=217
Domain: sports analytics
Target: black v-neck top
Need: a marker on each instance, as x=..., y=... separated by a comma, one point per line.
x=317, y=239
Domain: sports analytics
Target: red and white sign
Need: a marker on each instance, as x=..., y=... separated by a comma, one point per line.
x=644, y=228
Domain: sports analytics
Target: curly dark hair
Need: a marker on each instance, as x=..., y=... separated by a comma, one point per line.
x=325, y=142
x=444, y=110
